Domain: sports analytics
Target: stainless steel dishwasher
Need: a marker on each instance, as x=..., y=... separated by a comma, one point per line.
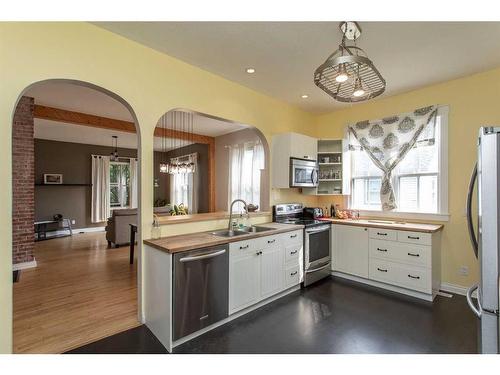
x=201, y=289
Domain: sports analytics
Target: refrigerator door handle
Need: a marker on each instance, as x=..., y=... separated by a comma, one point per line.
x=470, y=224
x=477, y=310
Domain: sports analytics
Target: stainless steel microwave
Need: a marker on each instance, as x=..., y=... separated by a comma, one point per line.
x=303, y=173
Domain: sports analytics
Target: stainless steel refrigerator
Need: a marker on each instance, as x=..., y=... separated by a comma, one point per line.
x=486, y=244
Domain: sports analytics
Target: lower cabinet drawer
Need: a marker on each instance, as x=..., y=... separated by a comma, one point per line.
x=406, y=276
x=292, y=276
x=292, y=253
x=401, y=252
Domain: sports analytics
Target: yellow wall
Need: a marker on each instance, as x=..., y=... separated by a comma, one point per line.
x=151, y=82
x=473, y=101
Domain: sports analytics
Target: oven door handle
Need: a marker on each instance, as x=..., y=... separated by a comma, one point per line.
x=320, y=229
x=318, y=269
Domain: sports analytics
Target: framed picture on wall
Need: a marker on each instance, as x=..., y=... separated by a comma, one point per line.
x=52, y=179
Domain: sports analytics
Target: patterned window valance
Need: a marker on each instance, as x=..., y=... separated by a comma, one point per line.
x=387, y=141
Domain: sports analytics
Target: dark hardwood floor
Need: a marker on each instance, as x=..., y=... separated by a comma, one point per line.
x=333, y=316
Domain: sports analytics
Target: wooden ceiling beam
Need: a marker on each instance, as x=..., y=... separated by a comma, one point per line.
x=78, y=118
x=85, y=119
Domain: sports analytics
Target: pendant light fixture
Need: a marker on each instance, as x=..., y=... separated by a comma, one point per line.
x=114, y=143
x=348, y=75
x=177, y=131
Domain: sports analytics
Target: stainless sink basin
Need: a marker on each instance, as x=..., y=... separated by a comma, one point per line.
x=256, y=229
x=229, y=233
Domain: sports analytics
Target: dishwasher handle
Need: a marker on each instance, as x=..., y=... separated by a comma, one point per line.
x=203, y=256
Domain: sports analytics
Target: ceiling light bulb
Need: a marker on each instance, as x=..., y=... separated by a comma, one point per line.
x=342, y=76
x=305, y=96
x=358, y=89
x=250, y=70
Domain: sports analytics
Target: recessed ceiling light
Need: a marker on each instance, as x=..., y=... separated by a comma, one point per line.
x=305, y=96
x=250, y=70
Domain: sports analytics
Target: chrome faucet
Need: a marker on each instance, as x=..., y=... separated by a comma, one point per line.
x=229, y=226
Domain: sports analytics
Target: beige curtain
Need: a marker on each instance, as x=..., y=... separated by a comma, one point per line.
x=100, y=210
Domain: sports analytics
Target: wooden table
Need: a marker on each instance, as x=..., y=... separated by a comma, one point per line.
x=133, y=231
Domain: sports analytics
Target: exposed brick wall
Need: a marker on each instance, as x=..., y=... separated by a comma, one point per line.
x=23, y=182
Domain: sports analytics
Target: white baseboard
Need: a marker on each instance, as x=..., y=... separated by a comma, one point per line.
x=456, y=289
x=24, y=265
x=75, y=231
x=90, y=229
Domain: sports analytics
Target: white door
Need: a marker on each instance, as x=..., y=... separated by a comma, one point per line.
x=271, y=271
x=244, y=280
x=350, y=250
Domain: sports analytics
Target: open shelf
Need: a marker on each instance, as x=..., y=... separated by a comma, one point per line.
x=330, y=163
x=329, y=179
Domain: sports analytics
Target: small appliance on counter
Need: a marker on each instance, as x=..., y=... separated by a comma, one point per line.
x=317, y=260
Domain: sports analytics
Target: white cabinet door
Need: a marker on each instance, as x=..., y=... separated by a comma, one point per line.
x=244, y=279
x=350, y=250
x=271, y=270
x=303, y=146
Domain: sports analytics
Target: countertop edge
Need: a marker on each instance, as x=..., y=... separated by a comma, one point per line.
x=407, y=227
x=215, y=241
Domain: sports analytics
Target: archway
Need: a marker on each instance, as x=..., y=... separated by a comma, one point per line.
x=71, y=129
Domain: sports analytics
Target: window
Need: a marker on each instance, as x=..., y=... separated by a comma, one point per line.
x=119, y=186
x=419, y=180
x=246, y=164
x=181, y=191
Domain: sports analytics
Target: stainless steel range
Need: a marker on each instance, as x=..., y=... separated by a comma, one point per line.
x=317, y=259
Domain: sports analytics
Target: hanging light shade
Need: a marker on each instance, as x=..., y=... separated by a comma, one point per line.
x=177, y=131
x=114, y=143
x=348, y=75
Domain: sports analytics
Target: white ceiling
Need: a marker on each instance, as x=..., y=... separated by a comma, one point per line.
x=78, y=98
x=285, y=54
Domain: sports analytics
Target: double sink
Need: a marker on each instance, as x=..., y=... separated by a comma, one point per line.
x=241, y=231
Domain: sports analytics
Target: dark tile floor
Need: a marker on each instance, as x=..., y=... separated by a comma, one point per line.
x=333, y=316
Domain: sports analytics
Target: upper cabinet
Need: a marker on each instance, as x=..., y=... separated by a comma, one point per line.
x=286, y=146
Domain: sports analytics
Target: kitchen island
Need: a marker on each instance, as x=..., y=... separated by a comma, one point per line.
x=196, y=282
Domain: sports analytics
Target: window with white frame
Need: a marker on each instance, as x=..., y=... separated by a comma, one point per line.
x=419, y=180
x=119, y=185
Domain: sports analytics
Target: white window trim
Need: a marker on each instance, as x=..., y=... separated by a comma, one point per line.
x=442, y=215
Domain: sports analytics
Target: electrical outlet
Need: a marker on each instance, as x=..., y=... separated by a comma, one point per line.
x=73, y=221
x=464, y=271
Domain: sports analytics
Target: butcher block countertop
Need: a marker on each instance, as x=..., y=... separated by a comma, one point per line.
x=191, y=241
x=386, y=224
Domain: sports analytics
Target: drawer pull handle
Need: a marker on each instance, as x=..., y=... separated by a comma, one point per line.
x=293, y=252
x=293, y=273
x=271, y=241
x=413, y=277
x=244, y=247
x=293, y=236
x=413, y=238
x=383, y=250
x=381, y=234
x=413, y=255
x=382, y=270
